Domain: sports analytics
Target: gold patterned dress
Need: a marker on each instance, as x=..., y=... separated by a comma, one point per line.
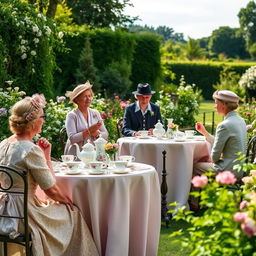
x=55, y=229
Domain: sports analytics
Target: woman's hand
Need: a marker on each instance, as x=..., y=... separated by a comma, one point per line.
x=94, y=129
x=45, y=146
x=200, y=128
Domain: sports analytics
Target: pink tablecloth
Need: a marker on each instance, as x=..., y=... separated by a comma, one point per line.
x=122, y=211
x=179, y=161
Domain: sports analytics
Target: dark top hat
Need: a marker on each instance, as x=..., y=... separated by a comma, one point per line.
x=143, y=89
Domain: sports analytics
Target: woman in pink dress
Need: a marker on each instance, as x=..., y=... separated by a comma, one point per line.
x=82, y=123
x=57, y=226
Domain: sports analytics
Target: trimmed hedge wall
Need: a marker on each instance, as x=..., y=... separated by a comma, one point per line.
x=141, y=52
x=204, y=74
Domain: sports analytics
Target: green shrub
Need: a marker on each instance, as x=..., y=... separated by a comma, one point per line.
x=203, y=74
x=28, y=39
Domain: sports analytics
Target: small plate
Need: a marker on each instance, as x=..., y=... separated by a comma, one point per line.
x=143, y=137
x=96, y=173
x=73, y=172
x=179, y=140
x=121, y=172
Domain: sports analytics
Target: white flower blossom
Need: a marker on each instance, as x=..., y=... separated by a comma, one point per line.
x=36, y=40
x=60, y=34
x=47, y=30
x=24, y=56
x=33, y=53
x=35, y=28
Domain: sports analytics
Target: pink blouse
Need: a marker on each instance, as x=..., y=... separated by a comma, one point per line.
x=76, y=124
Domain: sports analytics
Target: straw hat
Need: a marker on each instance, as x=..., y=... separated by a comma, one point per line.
x=78, y=90
x=227, y=96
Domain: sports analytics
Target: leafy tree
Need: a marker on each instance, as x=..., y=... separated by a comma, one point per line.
x=100, y=14
x=164, y=31
x=193, y=50
x=172, y=50
x=227, y=41
x=229, y=81
x=86, y=69
x=247, y=20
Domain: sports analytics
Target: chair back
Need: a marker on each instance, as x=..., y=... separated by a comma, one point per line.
x=251, y=151
x=119, y=126
x=8, y=186
x=63, y=138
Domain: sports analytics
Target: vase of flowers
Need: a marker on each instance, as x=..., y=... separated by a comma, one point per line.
x=111, y=149
x=171, y=129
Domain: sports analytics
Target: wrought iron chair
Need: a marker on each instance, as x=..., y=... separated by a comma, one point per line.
x=7, y=175
x=165, y=216
x=251, y=151
x=119, y=126
x=63, y=138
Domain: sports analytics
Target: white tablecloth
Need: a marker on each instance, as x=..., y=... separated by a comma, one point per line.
x=179, y=161
x=122, y=211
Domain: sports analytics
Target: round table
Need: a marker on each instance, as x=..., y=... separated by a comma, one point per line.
x=121, y=210
x=180, y=157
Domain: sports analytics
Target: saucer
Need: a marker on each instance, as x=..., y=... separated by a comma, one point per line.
x=73, y=172
x=143, y=137
x=121, y=172
x=96, y=173
x=179, y=140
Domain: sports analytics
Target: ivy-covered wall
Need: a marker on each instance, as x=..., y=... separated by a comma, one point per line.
x=204, y=74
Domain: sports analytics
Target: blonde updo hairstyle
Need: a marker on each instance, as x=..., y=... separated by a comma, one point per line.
x=25, y=113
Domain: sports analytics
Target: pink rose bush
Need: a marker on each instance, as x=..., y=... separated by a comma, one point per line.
x=226, y=224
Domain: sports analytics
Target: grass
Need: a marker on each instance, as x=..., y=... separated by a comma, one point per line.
x=170, y=246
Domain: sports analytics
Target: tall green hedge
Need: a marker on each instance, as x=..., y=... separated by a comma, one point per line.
x=141, y=52
x=204, y=74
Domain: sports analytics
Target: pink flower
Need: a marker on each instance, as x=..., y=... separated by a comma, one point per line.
x=116, y=97
x=199, y=181
x=61, y=98
x=254, y=131
x=115, y=145
x=226, y=177
x=253, y=173
x=247, y=180
x=240, y=217
x=248, y=127
x=249, y=227
x=109, y=114
x=104, y=115
x=123, y=104
x=243, y=205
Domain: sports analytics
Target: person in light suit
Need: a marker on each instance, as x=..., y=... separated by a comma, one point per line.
x=141, y=115
x=230, y=136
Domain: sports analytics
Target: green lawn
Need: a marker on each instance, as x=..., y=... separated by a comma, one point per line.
x=169, y=246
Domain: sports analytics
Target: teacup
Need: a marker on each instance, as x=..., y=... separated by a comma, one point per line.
x=190, y=133
x=73, y=165
x=179, y=135
x=68, y=158
x=127, y=158
x=120, y=165
x=143, y=133
x=97, y=166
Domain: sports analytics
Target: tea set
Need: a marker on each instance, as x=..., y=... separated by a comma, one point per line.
x=97, y=161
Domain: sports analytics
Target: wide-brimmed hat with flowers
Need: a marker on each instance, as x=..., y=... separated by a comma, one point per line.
x=226, y=95
x=143, y=89
x=78, y=90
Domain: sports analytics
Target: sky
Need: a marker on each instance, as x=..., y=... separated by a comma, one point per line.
x=193, y=18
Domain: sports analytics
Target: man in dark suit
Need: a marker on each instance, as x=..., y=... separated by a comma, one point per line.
x=141, y=115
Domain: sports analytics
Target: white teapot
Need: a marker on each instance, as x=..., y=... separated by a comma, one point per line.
x=159, y=130
x=100, y=149
x=87, y=154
